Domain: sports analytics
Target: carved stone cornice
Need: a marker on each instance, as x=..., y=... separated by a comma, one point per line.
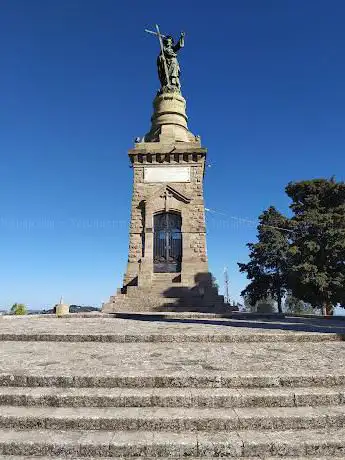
x=167, y=154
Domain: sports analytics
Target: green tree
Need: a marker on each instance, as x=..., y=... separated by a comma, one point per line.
x=317, y=271
x=18, y=309
x=267, y=268
x=214, y=281
x=296, y=306
x=265, y=306
x=248, y=305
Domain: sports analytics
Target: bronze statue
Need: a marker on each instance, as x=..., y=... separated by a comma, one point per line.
x=170, y=55
x=167, y=63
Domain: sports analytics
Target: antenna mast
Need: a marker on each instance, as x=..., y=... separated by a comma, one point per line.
x=226, y=286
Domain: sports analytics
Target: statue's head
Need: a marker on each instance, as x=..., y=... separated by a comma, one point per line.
x=168, y=40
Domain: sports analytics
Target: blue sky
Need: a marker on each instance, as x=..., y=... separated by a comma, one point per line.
x=264, y=83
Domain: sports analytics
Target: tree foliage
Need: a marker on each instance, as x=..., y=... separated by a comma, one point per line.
x=267, y=268
x=18, y=309
x=296, y=306
x=266, y=306
x=308, y=258
x=317, y=253
x=248, y=305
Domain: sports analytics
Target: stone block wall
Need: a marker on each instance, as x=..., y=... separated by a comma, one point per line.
x=150, y=198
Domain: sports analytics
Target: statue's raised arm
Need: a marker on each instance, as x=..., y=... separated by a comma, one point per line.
x=180, y=43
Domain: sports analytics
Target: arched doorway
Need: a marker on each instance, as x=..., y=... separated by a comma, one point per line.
x=167, y=242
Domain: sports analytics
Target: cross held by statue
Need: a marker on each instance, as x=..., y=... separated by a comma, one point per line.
x=160, y=37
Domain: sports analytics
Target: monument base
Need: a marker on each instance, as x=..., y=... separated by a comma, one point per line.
x=164, y=295
x=167, y=267
x=170, y=297
x=151, y=303
x=169, y=121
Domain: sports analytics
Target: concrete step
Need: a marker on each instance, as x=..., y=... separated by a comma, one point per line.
x=306, y=320
x=171, y=419
x=163, y=326
x=16, y=457
x=263, y=444
x=171, y=397
x=21, y=457
x=163, y=338
x=171, y=381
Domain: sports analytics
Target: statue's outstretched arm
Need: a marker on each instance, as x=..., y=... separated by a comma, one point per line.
x=180, y=43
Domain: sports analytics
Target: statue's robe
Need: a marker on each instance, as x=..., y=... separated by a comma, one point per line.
x=173, y=66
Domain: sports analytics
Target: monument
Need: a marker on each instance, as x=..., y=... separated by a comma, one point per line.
x=167, y=263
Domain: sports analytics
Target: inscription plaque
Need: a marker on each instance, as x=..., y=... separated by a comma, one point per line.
x=167, y=174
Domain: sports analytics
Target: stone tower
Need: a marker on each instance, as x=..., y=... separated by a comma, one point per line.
x=167, y=263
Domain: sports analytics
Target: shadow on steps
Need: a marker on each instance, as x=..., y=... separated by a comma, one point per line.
x=251, y=321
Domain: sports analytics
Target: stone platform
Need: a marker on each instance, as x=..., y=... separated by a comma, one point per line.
x=105, y=386
x=161, y=299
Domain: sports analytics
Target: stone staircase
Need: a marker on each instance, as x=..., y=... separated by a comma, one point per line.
x=56, y=402
x=166, y=293
x=177, y=298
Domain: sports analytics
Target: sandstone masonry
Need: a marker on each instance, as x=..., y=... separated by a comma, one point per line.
x=169, y=166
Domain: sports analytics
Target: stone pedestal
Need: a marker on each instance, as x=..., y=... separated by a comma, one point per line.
x=61, y=309
x=169, y=167
x=169, y=120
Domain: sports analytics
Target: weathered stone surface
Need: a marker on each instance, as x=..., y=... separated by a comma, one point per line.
x=61, y=309
x=168, y=171
x=169, y=120
x=146, y=398
x=15, y=457
x=170, y=397
x=168, y=328
x=216, y=364
x=171, y=419
x=219, y=444
x=241, y=444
